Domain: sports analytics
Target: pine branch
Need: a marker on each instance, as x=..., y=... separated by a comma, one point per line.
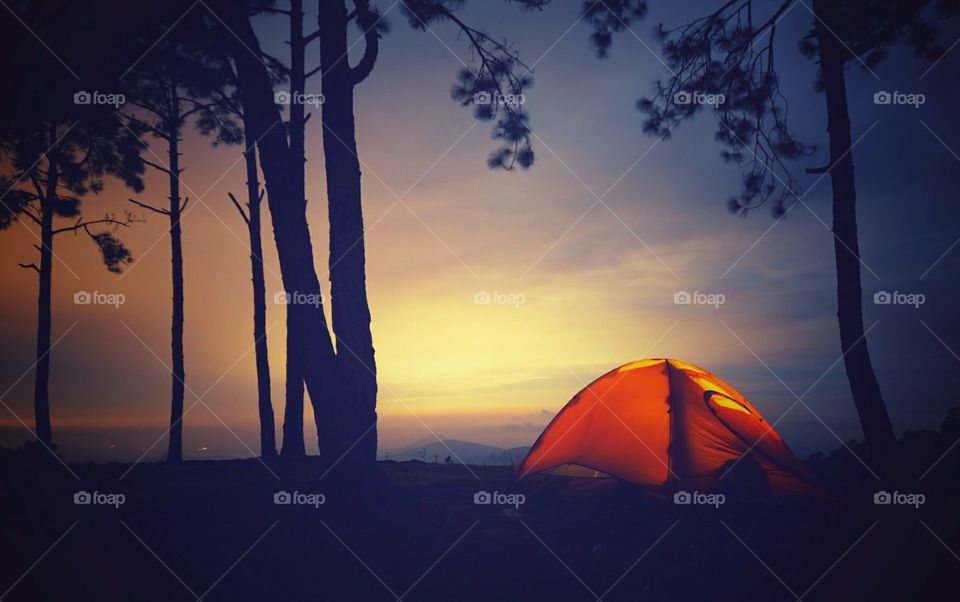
x=150, y=207
x=276, y=63
x=36, y=184
x=157, y=166
x=108, y=219
x=274, y=11
x=236, y=204
x=146, y=126
x=371, y=38
x=159, y=112
x=201, y=106
x=26, y=211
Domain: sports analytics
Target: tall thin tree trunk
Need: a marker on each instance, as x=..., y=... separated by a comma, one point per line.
x=356, y=367
x=287, y=211
x=175, y=448
x=297, y=124
x=268, y=440
x=41, y=391
x=293, y=436
x=293, y=443
x=877, y=429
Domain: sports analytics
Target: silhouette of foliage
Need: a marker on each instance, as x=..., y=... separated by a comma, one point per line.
x=85, y=155
x=608, y=17
x=115, y=255
x=186, y=75
x=61, y=137
x=870, y=27
x=13, y=201
x=496, y=87
x=727, y=58
x=725, y=61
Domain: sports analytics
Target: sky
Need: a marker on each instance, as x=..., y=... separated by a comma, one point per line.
x=580, y=257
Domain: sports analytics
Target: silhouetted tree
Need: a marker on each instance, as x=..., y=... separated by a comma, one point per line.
x=214, y=120
x=730, y=52
x=281, y=146
x=172, y=83
x=308, y=339
x=296, y=74
x=342, y=384
x=251, y=217
x=58, y=144
x=493, y=89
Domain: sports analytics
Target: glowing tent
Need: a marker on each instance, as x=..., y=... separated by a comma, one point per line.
x=666, y=425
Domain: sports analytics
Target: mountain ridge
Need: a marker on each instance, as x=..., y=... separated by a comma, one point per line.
x=457, y=451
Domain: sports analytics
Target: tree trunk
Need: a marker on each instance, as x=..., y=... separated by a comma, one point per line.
x=268, y=441
x=356, y=368
x=175, y=448
x=877, y=429
x=288, y=213
x=293, y=437
x=297, y=123
x=41, y=391
x=293, y=444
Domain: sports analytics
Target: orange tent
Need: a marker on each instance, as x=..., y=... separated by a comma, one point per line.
x=666, y=425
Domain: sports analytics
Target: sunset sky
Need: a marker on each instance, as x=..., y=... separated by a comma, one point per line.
x=588, y=248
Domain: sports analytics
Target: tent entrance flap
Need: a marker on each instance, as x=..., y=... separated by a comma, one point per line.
x=576, y=471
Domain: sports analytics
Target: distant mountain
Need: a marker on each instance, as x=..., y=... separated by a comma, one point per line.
x=464, y=452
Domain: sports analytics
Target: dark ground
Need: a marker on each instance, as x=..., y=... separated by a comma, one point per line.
x=210, y=530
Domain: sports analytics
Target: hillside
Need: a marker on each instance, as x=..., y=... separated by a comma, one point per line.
x=454, y=451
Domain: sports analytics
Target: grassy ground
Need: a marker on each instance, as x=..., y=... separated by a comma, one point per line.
x=211, y=530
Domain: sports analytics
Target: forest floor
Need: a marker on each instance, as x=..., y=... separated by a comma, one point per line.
x=211, y=530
